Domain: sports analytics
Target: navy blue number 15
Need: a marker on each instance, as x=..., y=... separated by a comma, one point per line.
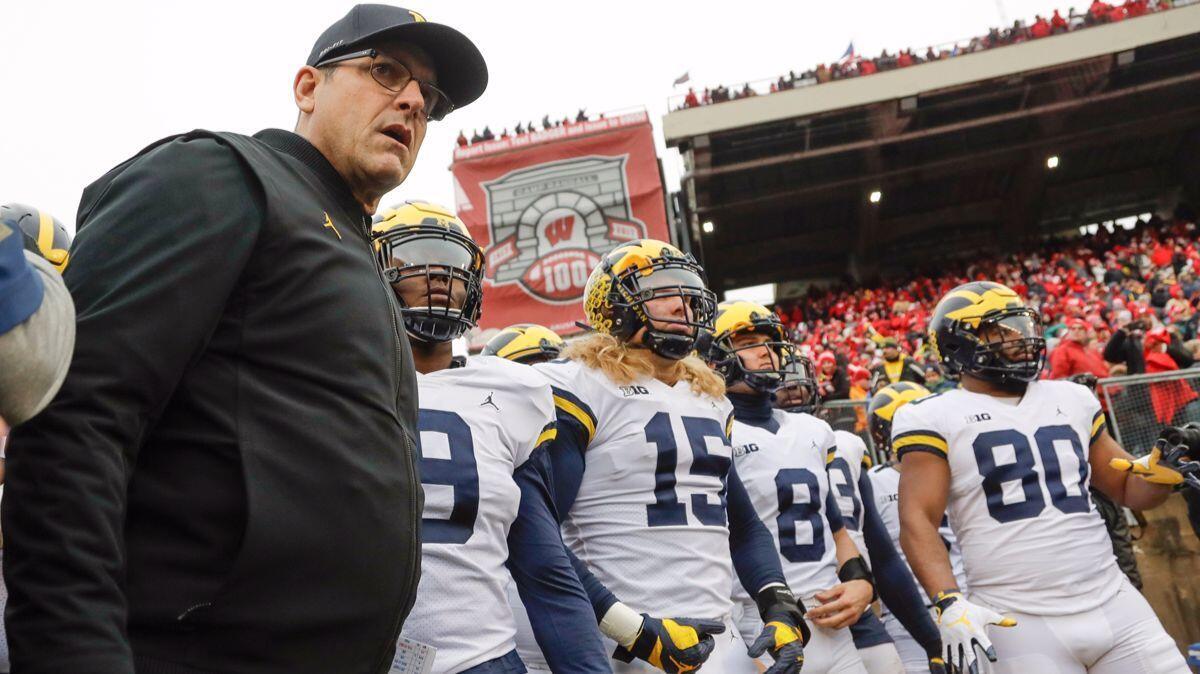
x=667, y=509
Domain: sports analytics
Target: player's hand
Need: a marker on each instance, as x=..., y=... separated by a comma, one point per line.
x=784, y=630
x=963, y=627
x=673, y=645
x=1151, y=467
x=785, y=642
x=841, y=605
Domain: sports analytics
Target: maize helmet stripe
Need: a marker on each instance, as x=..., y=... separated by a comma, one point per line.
x=979, y=305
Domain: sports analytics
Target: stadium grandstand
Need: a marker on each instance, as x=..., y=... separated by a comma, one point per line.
x=1066, y=167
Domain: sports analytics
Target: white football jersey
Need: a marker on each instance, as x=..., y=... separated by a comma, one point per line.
x=845, y=469
x=1031, y=539
x=649, y=519
x=784, y=470
x=477, y=423
x=885, y=482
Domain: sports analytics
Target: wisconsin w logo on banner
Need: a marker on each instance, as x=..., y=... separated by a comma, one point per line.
x=551, y=222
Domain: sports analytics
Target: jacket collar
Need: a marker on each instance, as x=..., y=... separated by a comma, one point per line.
x=296, y=146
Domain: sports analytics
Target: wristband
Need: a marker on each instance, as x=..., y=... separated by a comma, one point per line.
x=621, y=624
x=857, y=569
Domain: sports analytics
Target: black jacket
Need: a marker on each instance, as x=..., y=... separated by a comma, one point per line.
x=226, y=482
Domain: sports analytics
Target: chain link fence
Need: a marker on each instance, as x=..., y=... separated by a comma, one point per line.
x=1140, y=405
x=850, y=415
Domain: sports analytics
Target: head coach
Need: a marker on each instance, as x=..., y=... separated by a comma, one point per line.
x=226, y=480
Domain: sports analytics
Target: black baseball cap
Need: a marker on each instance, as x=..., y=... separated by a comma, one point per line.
x=461, y=71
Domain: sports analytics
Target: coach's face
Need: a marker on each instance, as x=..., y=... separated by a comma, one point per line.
x=370, y=134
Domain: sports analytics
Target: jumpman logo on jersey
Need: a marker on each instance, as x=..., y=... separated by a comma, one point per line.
x=329, y=225
x=1059, y=410
x=814, y=444
x=489, y=401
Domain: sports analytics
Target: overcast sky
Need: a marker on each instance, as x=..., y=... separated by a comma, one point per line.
x=84, y=85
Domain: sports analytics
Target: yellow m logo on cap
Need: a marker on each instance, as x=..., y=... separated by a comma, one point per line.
x=417, y=16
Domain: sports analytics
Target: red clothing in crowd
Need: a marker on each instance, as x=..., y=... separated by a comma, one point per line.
x=1040, y=28
x=1057, y=22
x=690, y=101
x=904, y=60
x=866, y=67
x=1099, y=10
x=1167, y=397
x=1071, y=358
x=1136, y=7
x=1162, y=254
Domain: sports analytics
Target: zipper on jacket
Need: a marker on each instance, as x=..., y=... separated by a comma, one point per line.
x=409, y=450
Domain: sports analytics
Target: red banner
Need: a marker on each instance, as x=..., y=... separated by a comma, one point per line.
x=545, y=206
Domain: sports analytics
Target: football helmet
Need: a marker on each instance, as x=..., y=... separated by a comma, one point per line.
x=417, y=239
x=525, y=343
x=882, y=410
x=984, y=329
x=799, y=391
x=638, y=272
x=740, y=317
x=43, y=233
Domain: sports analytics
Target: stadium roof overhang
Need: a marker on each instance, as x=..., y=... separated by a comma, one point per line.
x=957, y=149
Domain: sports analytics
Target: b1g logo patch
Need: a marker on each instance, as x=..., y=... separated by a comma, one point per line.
x=550, y=223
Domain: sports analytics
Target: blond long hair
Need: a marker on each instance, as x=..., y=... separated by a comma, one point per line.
x=625, y=365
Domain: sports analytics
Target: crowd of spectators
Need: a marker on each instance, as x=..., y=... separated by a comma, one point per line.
x=1098, y=13
x=1125, y=301
x=521, y=128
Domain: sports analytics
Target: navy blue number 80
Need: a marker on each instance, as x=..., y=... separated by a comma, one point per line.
x=1024, y=468
x=459, y=472
x=667, y=510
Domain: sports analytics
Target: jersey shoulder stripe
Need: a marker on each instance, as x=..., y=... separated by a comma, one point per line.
x=729, y=427
x=572, y=406
x=549, y=432
x=920, y=441
x=1098, y=425
x=830, y=455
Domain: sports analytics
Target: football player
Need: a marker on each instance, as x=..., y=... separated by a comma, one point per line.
x=885, y=482
x=1010, y=458
x=484, y=425
x=857, y=503
x=644, y=478
x=525, y=343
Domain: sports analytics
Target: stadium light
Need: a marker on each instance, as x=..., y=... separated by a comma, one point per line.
x=707, y=227
x=875, y=196
x=1052, y=161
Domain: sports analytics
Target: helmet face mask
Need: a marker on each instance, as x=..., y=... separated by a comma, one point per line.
x=436, y=273
x=983, y=330
x=652, y=285
x=798, y=392
x=1007, y=348
x=750, y=346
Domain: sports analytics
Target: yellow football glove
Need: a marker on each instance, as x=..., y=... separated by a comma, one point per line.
x=674, y=645
x=1150, y=468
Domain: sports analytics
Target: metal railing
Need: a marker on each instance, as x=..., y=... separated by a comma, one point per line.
x=1140, y=405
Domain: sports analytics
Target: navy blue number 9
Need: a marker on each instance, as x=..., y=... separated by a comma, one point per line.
x=1025, y=469
x=846, y=488
x=667, y=510
x=459, y=472
x=792, y=512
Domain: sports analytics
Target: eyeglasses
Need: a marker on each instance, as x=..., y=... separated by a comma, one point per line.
x=395, y=76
